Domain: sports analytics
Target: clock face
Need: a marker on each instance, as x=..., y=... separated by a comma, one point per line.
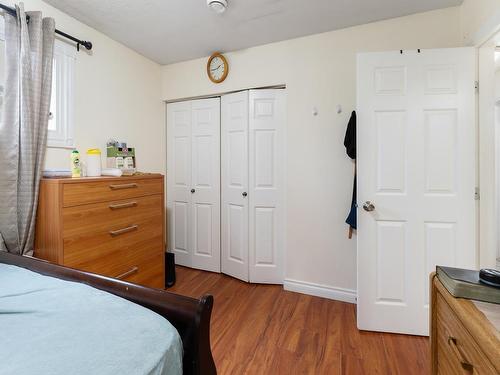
x=217, y=68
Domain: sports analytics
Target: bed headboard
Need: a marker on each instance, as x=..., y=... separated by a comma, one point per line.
x=191, y=317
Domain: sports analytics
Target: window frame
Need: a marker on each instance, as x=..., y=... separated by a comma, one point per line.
x=64, y=76
x=64, y=63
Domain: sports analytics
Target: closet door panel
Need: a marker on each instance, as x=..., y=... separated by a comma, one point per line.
x=266, y=186
x=179, y=180
x=205, y=184
x=234, y=126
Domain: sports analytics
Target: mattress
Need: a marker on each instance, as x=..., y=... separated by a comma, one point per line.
x=56, y=327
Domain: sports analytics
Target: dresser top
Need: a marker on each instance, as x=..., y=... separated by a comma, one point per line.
x=76, y=180
x=491, y=311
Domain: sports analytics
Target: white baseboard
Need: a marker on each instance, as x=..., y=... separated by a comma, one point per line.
x=318, y=290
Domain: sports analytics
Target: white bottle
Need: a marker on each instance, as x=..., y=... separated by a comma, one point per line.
x=119, y=162
x=129, y=162
x=93, y=162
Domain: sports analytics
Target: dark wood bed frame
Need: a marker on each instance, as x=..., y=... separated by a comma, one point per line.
x=191, y=317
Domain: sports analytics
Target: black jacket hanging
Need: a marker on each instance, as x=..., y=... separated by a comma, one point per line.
x=350, y=147
x=350, y=137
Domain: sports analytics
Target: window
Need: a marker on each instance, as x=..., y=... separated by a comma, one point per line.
x=61, y=119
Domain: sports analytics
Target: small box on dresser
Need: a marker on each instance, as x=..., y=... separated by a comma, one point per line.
x=112, y=226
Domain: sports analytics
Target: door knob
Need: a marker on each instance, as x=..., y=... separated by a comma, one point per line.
x=192, y=191
x=368, y=206
x=244, y=194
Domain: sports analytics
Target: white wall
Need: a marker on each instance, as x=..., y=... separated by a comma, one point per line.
x=319, y=71
x=479, y=19
x=497, y=85
x=117, y=95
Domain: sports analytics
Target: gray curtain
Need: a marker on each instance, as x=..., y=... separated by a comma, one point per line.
x=29, y=50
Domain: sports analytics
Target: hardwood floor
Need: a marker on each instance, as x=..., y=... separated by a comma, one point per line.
x=262, y=329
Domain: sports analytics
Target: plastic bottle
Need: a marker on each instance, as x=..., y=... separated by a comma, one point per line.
x=93, y=162
x=76, y=167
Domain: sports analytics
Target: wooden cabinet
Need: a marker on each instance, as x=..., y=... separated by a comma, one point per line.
x=113, y=226
x=463, y=339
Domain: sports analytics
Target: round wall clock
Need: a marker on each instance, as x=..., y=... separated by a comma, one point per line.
x=217, y=68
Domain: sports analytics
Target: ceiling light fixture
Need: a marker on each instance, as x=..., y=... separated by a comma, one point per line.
x=218, y=6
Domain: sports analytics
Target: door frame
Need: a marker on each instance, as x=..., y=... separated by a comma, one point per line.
x=285, y=169
x=488, y=147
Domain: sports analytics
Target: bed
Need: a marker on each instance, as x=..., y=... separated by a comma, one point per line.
x=60, y=320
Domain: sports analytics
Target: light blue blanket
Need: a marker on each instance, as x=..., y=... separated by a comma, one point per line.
x=54, y=327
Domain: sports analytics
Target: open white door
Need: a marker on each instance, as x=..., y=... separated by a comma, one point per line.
x=234, y=131
x=267, y=120
x=416, y=180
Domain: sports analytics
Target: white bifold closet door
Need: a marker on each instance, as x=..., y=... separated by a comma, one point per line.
x=234, y=126
x=193, y=182
x=253, y=224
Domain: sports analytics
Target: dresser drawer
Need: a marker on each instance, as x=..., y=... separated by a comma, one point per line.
x=101, y=237
x=87, y=220
x=457, y=351
x=102, y=191
x=145, y=269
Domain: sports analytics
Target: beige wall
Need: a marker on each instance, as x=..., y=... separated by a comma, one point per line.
x=117, y=95
x=319, y=71
x=119, y=92
x=497, y=85
x=477, y=19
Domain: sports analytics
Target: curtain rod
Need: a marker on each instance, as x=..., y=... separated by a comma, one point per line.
x=86, y=44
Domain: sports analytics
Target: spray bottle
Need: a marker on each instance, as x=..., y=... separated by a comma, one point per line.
x=76, y=167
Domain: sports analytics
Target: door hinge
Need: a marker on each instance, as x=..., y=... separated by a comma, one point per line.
x=477, y=196
x=476, y=85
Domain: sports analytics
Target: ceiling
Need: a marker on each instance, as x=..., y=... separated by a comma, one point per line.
x=169, y=31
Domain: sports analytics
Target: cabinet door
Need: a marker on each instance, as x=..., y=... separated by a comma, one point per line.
x=234, y=129
x=266, y=193
x=179, y=181
x=205, y=184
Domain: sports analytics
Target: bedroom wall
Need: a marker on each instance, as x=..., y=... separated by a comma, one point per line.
x=117, y=95
x=478, y=18
x=319, y=71
x=497, y=84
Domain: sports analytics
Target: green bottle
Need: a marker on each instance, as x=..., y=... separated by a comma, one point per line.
x=76, y=167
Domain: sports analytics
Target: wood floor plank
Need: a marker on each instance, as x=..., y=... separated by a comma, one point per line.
x=263, y=329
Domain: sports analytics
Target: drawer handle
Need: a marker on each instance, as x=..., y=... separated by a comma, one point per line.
x=123, y=186
x=132, y=271
x=122, y=205
x=452, y=341
x=117, y=232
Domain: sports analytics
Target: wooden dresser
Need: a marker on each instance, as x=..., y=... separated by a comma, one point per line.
x=463, y=339
x=113, y=226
